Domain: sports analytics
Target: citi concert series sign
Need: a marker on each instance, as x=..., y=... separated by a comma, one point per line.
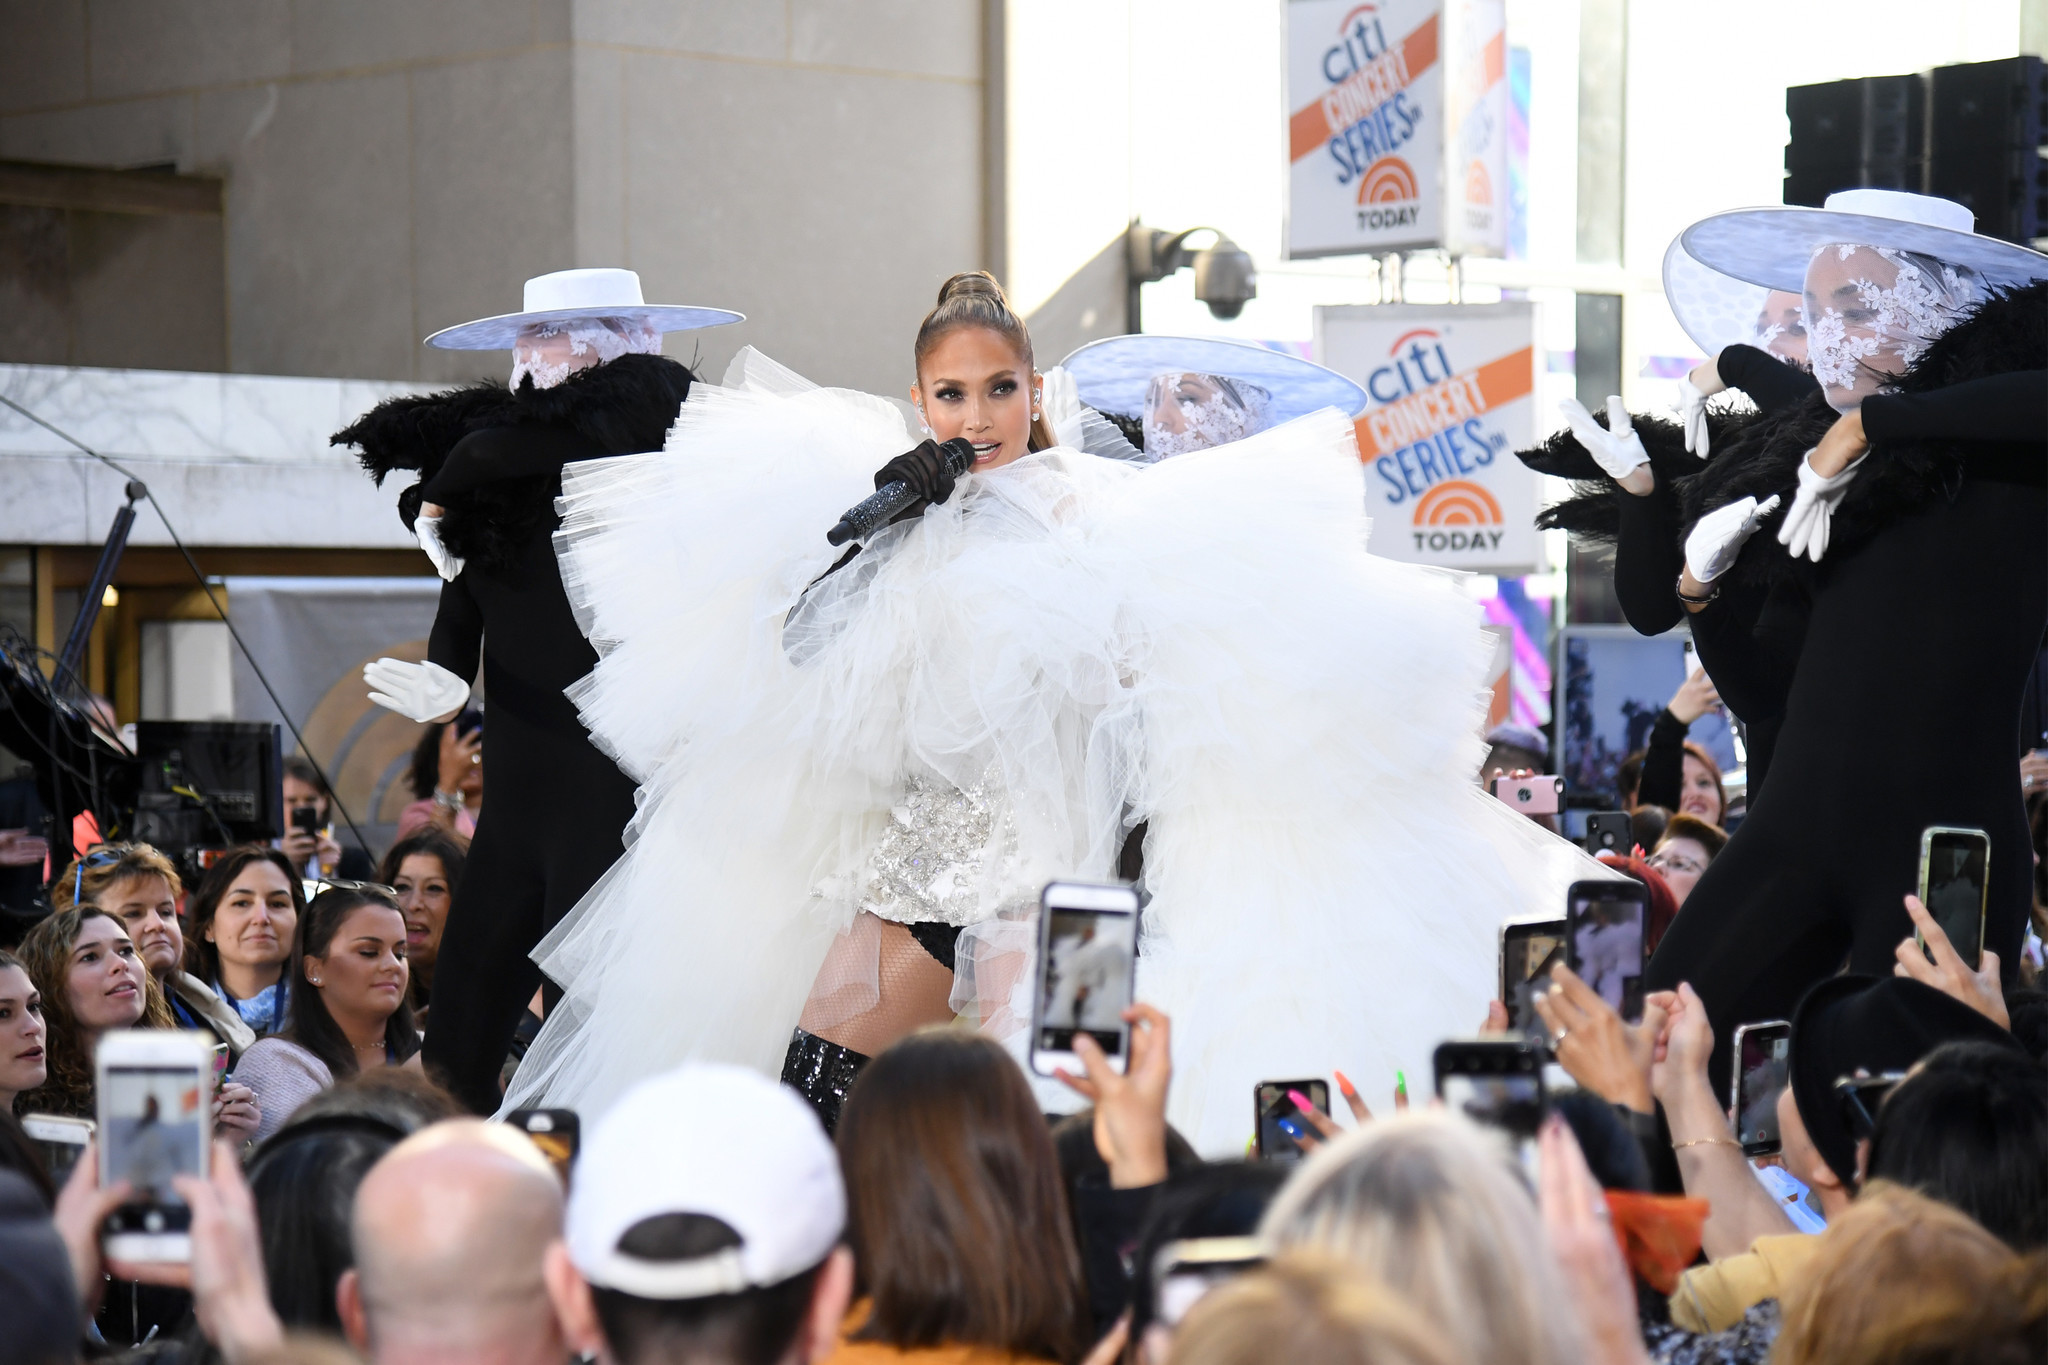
x=1451, y=397
x=1397, y=126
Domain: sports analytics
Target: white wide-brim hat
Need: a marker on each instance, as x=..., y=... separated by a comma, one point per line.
x=565, y=295
x=1715, y=310
x=1111, y=375
x=1772, y=245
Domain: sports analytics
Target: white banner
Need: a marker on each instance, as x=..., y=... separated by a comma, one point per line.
x=1450, y=398
x=1396, y=130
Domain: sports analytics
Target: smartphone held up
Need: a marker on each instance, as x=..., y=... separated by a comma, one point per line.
x=155, y=1120
x=1954, y=886
x=1607, y=940
x=1087, y=974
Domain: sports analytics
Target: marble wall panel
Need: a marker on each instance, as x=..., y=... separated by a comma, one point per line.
x=42, y=60
x=757, y=29
x=320, y=224
x=919, y=37
x=151, y=47
x=327, y=37
x=492, y=191
x=826, y=205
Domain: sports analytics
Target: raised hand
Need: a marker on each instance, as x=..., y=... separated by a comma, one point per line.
x=1948, y=973
x=1615, y=447
x=1130, y=1108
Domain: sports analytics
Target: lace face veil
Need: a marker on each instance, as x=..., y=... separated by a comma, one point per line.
x=1187, y=411
x=1871, y=311
x=548, y=352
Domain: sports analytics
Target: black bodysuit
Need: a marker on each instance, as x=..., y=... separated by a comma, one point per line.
x=1900, y=707
x=555, y=808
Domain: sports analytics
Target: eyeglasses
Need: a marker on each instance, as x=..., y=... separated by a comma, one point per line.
x=1860, y=1097
x=1675, y=862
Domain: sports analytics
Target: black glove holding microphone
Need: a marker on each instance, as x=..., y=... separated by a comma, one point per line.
x=924, y=469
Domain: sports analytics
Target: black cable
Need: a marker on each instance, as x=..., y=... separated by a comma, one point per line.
x=218, y=609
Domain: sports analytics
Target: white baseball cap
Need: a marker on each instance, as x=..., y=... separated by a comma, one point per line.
x=719, y=1141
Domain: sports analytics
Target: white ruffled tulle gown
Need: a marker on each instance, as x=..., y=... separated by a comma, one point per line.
x=988, y=698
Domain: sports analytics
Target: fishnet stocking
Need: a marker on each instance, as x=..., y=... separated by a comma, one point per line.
x=911, y=988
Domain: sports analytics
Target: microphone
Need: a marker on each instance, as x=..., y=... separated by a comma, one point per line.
x=870, y=515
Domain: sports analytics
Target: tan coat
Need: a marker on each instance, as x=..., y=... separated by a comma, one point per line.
x=1713, y=1298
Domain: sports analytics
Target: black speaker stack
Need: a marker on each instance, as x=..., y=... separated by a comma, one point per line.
x=1970, y=133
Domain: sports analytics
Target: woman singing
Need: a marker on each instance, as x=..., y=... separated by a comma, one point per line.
x=857, y=772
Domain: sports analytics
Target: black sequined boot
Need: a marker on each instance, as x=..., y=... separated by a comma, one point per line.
x=822, y=1073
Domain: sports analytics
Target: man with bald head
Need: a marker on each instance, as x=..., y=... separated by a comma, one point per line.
x=450, y=1231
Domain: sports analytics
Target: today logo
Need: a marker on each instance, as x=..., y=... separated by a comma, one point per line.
x=1454, y=515
x=1387, y=194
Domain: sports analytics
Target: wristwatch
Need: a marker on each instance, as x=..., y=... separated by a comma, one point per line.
x=448, y=801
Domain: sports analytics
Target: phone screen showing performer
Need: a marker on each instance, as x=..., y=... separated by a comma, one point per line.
x=1527, y=953
x=1087, y=962
x=1762, y=1061
x=1494, y=1081
x=1953, y=867
x=154, y=1114
x=1605, y=940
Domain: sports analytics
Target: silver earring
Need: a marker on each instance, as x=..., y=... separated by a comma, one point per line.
x=1034, y=414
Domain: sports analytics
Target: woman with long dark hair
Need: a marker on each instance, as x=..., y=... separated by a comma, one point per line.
x=238, y=938
x=424, y=869
x=956, y=1211
x=349, y=1012
x=91, y=980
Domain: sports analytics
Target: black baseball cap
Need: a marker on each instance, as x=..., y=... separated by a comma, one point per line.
x=1872, y=1024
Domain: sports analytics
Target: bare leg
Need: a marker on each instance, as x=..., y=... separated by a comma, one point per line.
x=913, y=987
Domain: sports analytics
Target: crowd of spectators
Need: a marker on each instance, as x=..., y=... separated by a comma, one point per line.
x=354, y=1213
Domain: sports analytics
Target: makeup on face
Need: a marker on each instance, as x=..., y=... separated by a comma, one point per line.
x=973, y=383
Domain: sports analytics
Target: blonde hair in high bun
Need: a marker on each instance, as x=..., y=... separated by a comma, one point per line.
x=972, y=298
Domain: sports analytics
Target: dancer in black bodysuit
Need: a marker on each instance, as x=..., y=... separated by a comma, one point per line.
x=588, y=381
x=1748, y=645
x=1901, y=712
x=1921, y=610
x=554, y=807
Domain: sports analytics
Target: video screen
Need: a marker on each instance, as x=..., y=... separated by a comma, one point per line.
x=1607, y=949
x=1086, y=983
x=1528, y=952
x=150, y=1122
x=1765, y=1058
x=1512, y=1103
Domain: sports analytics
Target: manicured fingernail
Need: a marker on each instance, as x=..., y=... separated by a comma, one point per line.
x=1287, y=1126
x=1400, y=1083
x=1344, y=1084
x=1301, y=1101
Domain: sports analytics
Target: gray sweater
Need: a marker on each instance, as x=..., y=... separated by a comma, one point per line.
x=284, y=1076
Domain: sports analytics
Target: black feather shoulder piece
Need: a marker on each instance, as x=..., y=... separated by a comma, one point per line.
x=2007, y=333
x=1591, y=512
x=621, y=407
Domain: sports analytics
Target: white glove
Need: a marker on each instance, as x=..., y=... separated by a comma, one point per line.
x=1060, y=401
x=1805, y=530
x=420, y=692
x=1693, y=393
x=1615, y=447
x=1719, y=536
x=428, y=529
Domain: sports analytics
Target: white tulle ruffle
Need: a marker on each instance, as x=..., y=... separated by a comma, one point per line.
x=1203, y=644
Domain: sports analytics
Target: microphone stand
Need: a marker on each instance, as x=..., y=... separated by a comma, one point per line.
x=72, y=656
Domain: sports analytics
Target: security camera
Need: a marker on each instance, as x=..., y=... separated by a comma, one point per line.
x=1225, y=278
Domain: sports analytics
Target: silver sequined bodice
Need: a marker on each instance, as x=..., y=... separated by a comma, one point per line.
x=933, y=861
